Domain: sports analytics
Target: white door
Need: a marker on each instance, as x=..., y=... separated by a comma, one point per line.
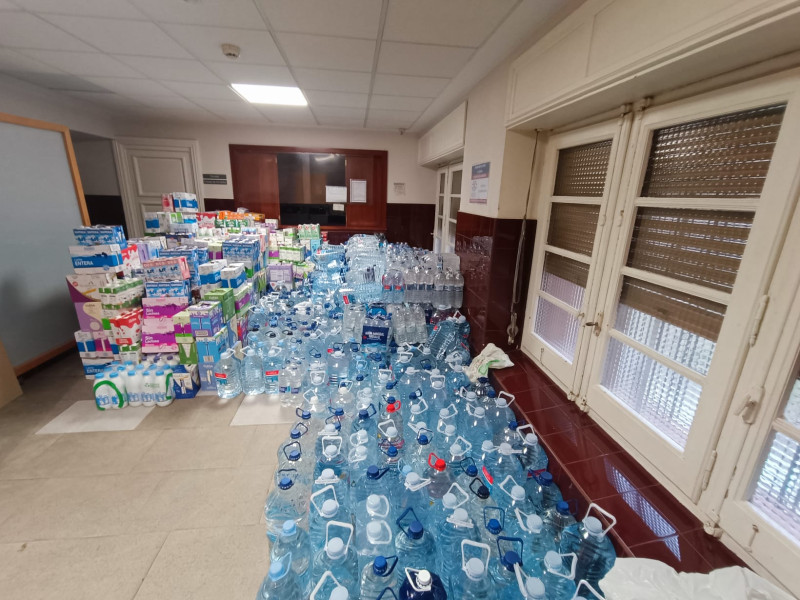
x=448, y=203
x=148, y=168
x=706, y=187
x=578, y=178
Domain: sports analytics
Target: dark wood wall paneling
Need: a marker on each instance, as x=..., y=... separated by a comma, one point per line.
x=254, y=174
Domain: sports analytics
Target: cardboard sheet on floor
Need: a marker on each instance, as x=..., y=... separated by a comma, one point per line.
x=260, y=410
x=83, y=416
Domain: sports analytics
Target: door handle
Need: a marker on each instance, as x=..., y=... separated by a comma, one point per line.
x=597, y=324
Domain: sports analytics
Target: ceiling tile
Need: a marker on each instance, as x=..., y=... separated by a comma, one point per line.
x=117, y=36
x=83, y=63
x=204, y=43
x=24, y=30
x=175, y=114
x=132, y=87
x=105, y=99
x=173, y=102
x=341, y=123
x=12, y=61
x=234, y=72
x=287, y=115
x=317, y=51
x=399, y=102
x=447, y=22
x=317, y=98
x=88, y=8
x=391, y=119
x=329, y=113
x=334, y=81
x=419, y=59
x=207, y=91
x=230, y=109
x=64, y=82
x=171, y=69
x=224, y=13
x=6, y=5
x=344, y=18
x=403, y=85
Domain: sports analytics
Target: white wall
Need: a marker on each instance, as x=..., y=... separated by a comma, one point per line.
x=215, y=158
x=26, y=100
x=96, y=166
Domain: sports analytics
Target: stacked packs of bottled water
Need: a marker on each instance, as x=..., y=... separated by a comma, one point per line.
x=400, y=477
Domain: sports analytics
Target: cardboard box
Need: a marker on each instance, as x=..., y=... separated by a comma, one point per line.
x=225, y=297
x=86, y=287
x=166, y=269
x=90, y=315
x=209, y=349
x=100, y=258
x=185, y=381
x=187, y=351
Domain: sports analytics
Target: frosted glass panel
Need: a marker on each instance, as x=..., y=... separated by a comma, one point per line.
x=572, y=227
x=564, y=279
x=777, y=490
x=582, y=170
x=556, y=327
x=663, y=398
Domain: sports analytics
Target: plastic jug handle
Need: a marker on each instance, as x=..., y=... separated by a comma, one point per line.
x=414, y=582
x=612, y=519
x=522, y=519
x=399, y=519
x=479, y=546
x=341, y=525
x=465, y=445
x=321, y=582
x=385, y=590
x=505, y=481
x=501, y=512
x=588, y=586
x=455, y=486
x=432, y=455
x=511, y=398
x=320, y=492
x=286, y=447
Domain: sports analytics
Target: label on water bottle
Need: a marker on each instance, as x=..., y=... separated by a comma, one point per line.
x=295, y=390
x=371, y=334
x=282, y=389
x=387, y=288
x=221, y=376
x=271, y=376
x=398, y=288
x=488, y=476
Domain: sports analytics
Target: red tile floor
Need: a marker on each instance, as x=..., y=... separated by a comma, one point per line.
x=591, y=467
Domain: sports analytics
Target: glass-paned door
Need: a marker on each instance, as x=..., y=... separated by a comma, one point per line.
x=448, y=202
x=577, y=180
x=675, y=302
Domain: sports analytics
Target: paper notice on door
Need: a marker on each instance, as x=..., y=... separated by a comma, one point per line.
x=358, y=191
x=335, y=193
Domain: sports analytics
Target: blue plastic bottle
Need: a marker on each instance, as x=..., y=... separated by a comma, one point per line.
x=280, y=583
x=422, y=585
x=415, y=545
x=294, y=540
x=594, y=550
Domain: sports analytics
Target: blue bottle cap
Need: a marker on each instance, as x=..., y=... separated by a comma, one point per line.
x=359, y=377
x=415, y=530
x=512, y=425
x=491, y=393
x=276, y=571
x=390, y=399
x=372, y=472
x=546, y=478
x=363, y=413
x=509, y=559
x=285, y=483
x=305, y=415
x=294, y=455
x=379, y=565
x=494, y=526
x=295, y=434
x=391, y=452
x=483, y=492
x=483, y=379
x=289, y=527
x=338, y=412
x=562, y=507
x=472, y=471
x=423, y=441
x=412, y=396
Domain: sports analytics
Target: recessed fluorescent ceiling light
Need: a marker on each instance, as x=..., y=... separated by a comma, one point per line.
x=270, y=94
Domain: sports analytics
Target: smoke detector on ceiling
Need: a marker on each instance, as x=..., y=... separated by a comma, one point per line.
x=231, y=51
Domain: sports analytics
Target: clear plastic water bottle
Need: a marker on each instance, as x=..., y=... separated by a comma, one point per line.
x=227, y=376
x=415, y=496
x=294, y=458
x=415, y=545
x=324, y=509
x=504, y=570
x=556, y=519
x=536, y=541
x=338, y=366
x=252, y=374
x=479, y=500
x=280, y=583
x=439, y=476
x=456, y=528
x=379, y=575
x=417, y=451
x=339, y=557
x=421, y=584
x=371, y=482
x=288, y=501
x=551, y=494
x=294, y=540
x=511, y=496
x=375, y=507
x=439, y=294
x=499, y=413
x=475, y=582
x=458, y=290
x=532, y=589
x=499, y=463
x=594, y=551
x=341, y=486
x=533, y=457
x=272, y=364
x=376, y=539
x=474, y=425
x=559, y=581
x=333, y=457
x=418, y=415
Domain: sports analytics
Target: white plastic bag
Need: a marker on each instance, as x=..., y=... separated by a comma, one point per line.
x=491, y=358
x=645, y=579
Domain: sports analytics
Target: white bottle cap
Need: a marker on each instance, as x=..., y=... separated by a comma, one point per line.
x=327, y=474
x=424, y=578
x=335, y=548
x=552, y=560
x=593, y=526
x=329, y=508
x=505, y=449
x=450, y=430
x=456, y=450
x=518, y=493
x=339, y=593
x=373, y=502
x=487, y=445
x=373, y=531
x=531, y=439
x=534, y=523
x=461, y=515
x=449, y=500
x=331, y=450
x=391, y=432
x=412, y=478
x=534, y=588
x=474, y=568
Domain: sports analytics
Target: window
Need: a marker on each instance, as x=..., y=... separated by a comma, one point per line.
x=653, y=299
x=448, y=202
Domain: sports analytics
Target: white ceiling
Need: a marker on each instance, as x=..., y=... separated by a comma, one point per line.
x=377, y=64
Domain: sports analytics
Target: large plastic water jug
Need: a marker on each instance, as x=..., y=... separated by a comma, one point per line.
x=588, y=540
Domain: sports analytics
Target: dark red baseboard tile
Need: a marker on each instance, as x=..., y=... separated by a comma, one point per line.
x=589, y=466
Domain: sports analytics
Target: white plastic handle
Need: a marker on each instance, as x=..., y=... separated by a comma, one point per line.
x=346, y=384
x=518, y=572
x=405, y=357
x=455, y=486
x=414, y=488
x=450, y=413
x=479, y=546
x=415, y=404
x=341, y=525
x=321, y=582
x=439, y=378
x=603, y=512
x=465, y=445
x=509, y=398
x=587, y=585
x=387, y=374
x=353, y=455
x=571, y=574
x=524, y=430
x=383, y=511
x=522, y=519
x=384, y=423
x=505, y=481
x=413, y=580
x=319, y=493
x=359, y=438
x=385, y=529
x=335, y=440
x=452, y=519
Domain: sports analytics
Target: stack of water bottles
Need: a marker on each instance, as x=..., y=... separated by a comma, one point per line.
x=401, y=478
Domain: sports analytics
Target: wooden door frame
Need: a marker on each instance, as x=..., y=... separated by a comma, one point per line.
x=126, y=185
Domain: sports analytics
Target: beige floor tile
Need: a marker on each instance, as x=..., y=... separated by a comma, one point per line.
x=264, y=447
x=84, y=454
x=17, y=463
x=78, y=507
x=179, y=449
x=205, y=498
x=27, y=414
x=199, y=412
x=82, y=569
x=8, y=444
x=208, y=564
x=17, y=493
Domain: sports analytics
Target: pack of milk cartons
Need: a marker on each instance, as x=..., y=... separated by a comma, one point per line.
x=168, y=293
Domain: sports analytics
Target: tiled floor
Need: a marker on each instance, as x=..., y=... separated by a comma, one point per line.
x=170, y=510
x=591, y=467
